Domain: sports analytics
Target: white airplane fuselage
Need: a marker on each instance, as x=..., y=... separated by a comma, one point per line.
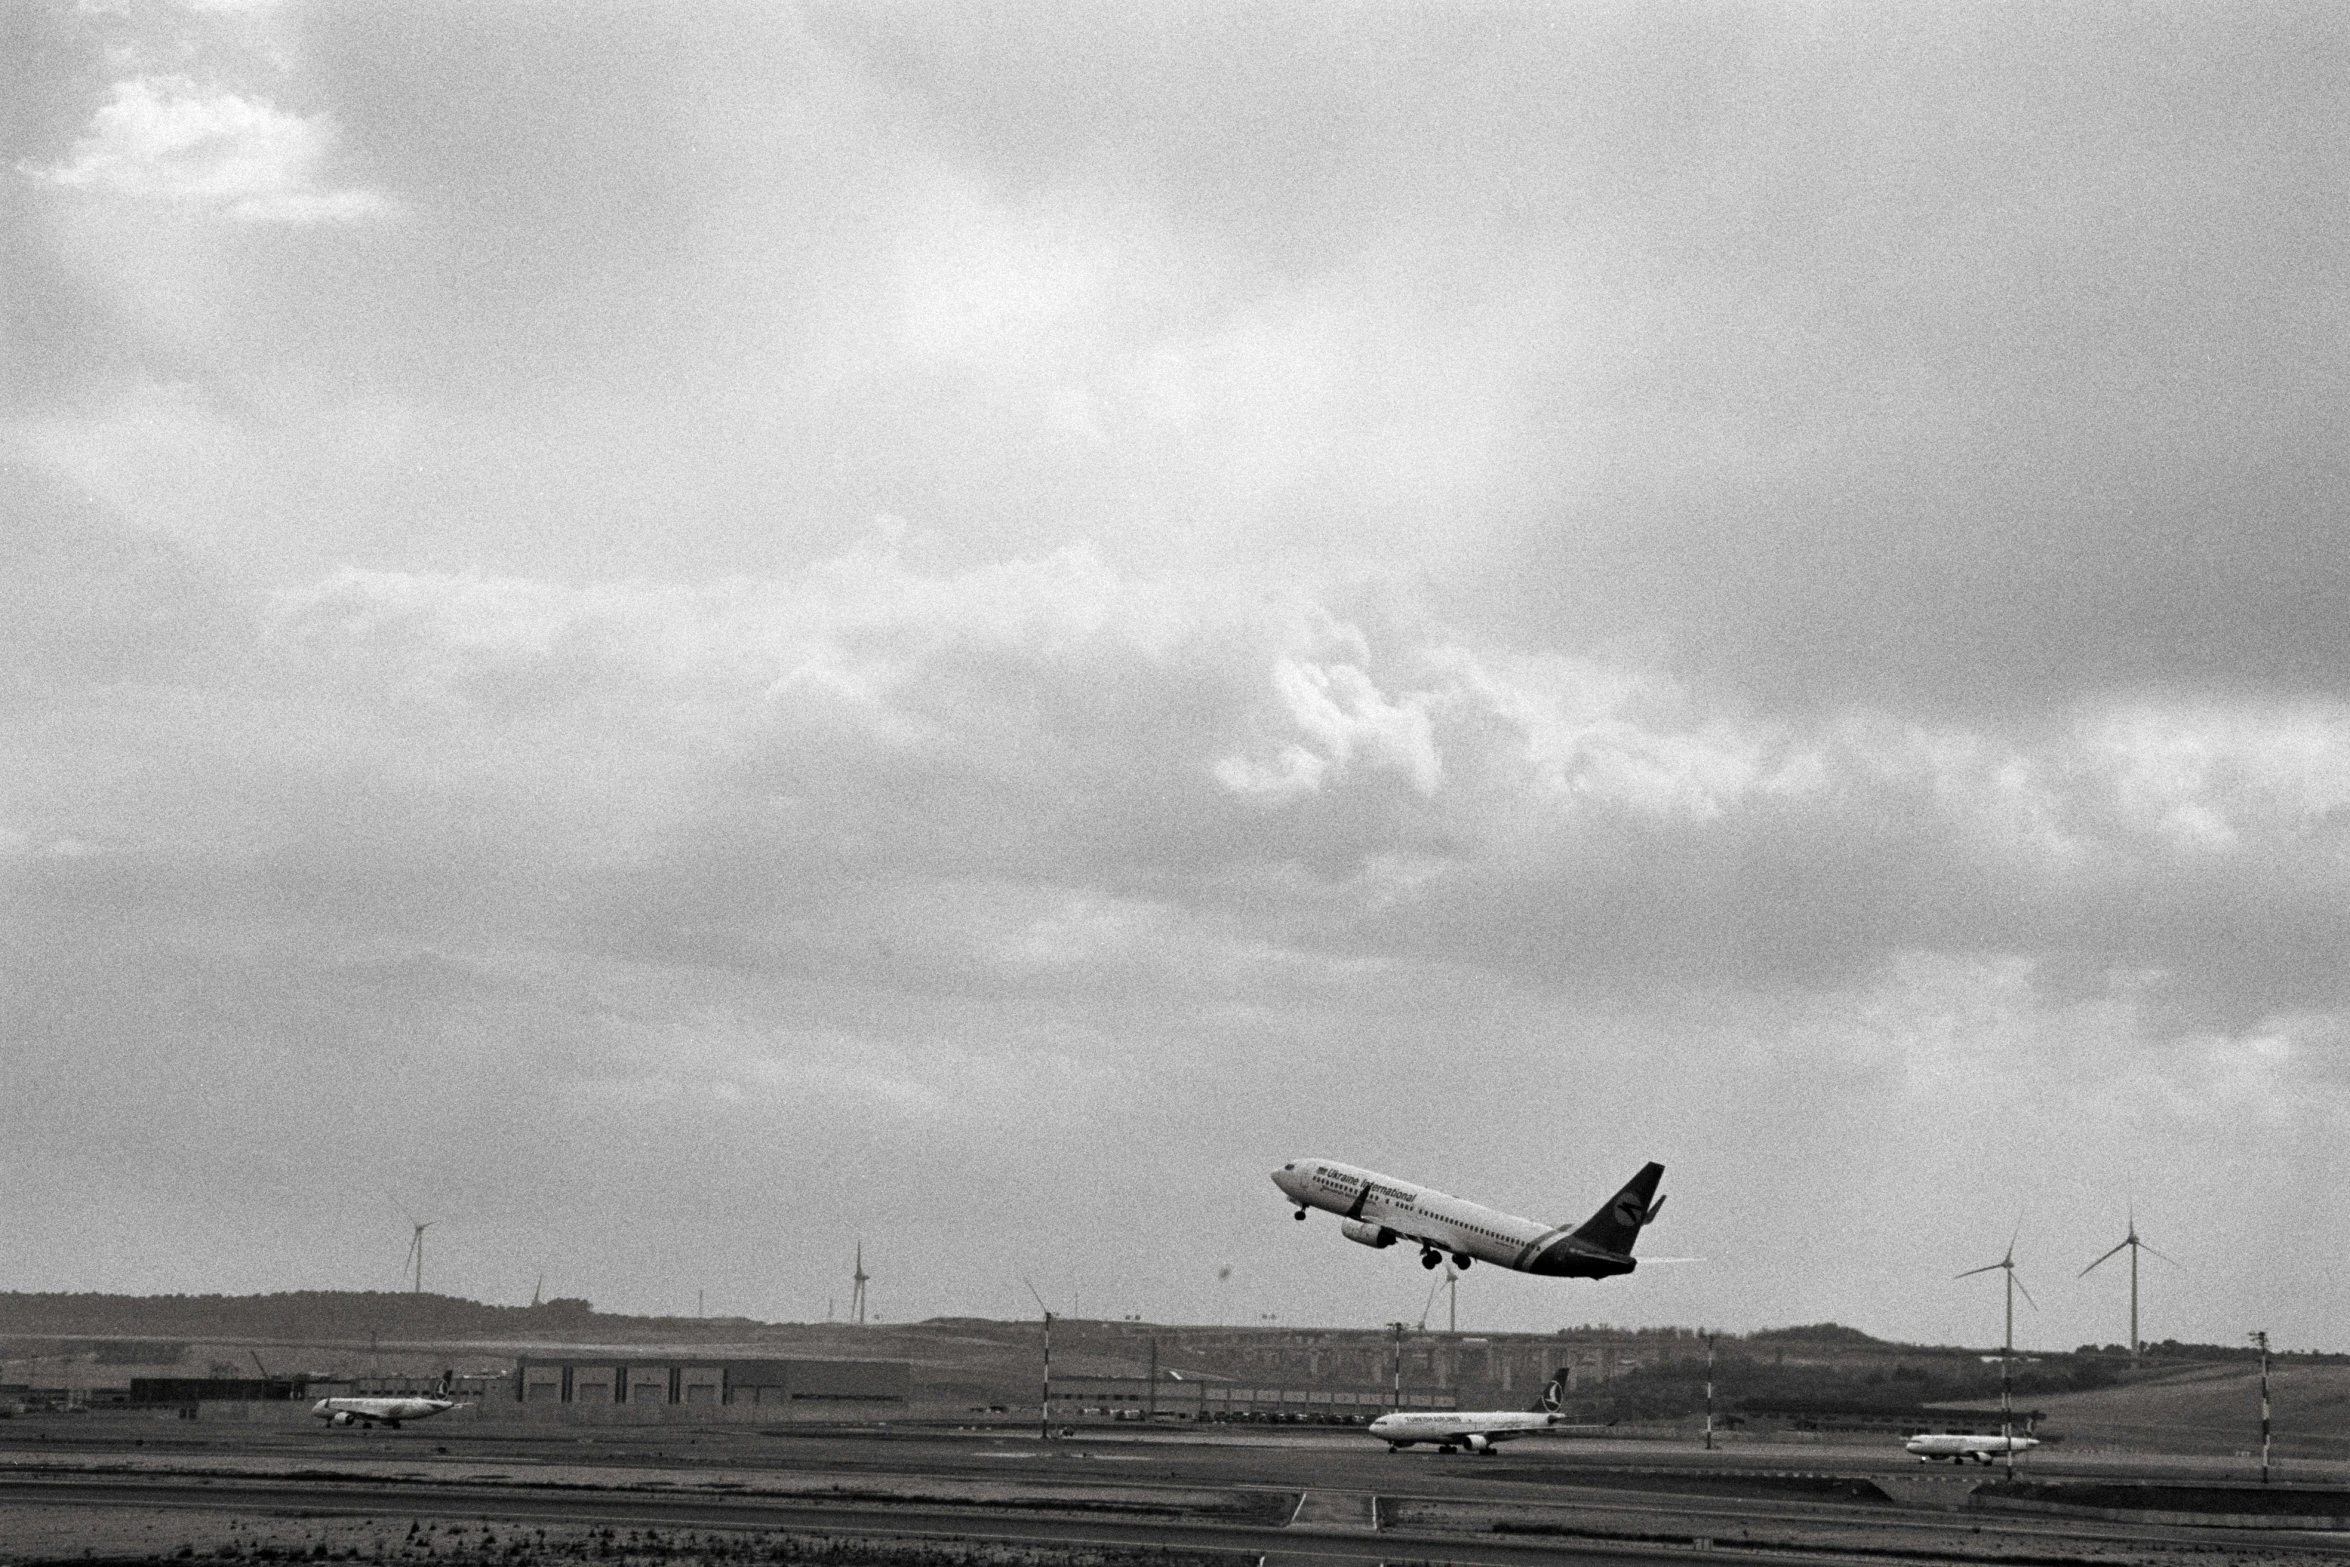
x=1926, y=1447
x=1478, y=1431
x=1379, y=1210
x=388, y=1410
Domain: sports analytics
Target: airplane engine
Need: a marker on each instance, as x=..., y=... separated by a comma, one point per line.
x=1366, y=1234
x=343, y=1417
x=1478, y=1444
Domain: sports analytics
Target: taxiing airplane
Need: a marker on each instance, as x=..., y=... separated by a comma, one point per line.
x=1448, y=1430
x=1928, y=1446
x=386, y=1409
x=1379, y=1210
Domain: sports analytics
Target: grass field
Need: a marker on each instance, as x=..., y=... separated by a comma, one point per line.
x=2210, y=1409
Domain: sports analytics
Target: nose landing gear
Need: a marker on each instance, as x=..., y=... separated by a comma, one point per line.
x=1300, y=1216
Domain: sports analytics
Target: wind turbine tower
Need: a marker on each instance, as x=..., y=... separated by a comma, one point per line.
x=857, y=1287
x=2006, y=1265
x=2134, y=1245
x=416, y=1254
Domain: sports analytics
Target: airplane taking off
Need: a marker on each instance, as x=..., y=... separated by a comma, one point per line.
x=387, y=1409
x=1958, y=1449
x=1378, y=1210
x=1476, y=1430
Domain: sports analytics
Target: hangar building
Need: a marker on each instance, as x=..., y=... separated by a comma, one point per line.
x=668, y=1380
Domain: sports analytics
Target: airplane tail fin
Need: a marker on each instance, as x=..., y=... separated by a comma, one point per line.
x=1618, y=1225
x=447, y=1378
x=1553, y=1393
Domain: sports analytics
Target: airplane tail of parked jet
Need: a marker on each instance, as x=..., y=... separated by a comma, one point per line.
x=1616, y=1226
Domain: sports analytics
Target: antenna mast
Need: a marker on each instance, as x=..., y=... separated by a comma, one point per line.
x=857, y=1287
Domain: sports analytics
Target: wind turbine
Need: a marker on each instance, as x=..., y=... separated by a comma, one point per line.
x=2006, y=1265
x=2134, y=1246
x=415, y=1258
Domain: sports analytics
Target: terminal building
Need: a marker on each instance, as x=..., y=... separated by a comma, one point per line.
x=810, y=1386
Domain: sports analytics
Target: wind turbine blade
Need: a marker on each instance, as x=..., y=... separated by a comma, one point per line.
x=2164, y=1255
x=1988, y=1267
x=1040, y=1305
x=2026, y=1294
x=2124, y=1246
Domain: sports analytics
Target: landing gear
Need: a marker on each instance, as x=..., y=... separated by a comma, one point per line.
x=1429, y=1259
x=1299, y=1216
x=1461, y=1260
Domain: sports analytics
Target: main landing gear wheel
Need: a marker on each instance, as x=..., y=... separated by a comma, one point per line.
x=1461, y=1260
x=1428, y=1259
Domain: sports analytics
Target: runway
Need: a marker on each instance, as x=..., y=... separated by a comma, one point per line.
x=1311, y=1497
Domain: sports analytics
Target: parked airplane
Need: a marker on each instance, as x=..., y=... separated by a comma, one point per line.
x=1379, y=1210
x=1929, y=1446
x=1477, y=1430
x=387, y=1409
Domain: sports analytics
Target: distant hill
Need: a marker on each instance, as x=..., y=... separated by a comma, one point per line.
x=328, y=1315
x=1820, y=1333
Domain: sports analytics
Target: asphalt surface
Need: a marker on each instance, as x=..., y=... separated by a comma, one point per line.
x=660, y=1477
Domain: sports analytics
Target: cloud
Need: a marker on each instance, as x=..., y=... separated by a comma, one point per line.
x=162, y=138
x=1362, y=784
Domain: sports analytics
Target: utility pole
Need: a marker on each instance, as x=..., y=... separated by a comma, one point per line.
x=1709, y=1392
x=2262, y=1340
x=1398, y=1363
x=1150, y=1397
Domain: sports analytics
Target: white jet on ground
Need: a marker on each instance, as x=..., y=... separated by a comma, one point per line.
x=1477, y=1430
x=1928, y=1446
x=1379, y=1210
x=386, y=1409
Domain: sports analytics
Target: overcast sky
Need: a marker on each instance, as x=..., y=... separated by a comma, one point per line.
x=674, y=635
